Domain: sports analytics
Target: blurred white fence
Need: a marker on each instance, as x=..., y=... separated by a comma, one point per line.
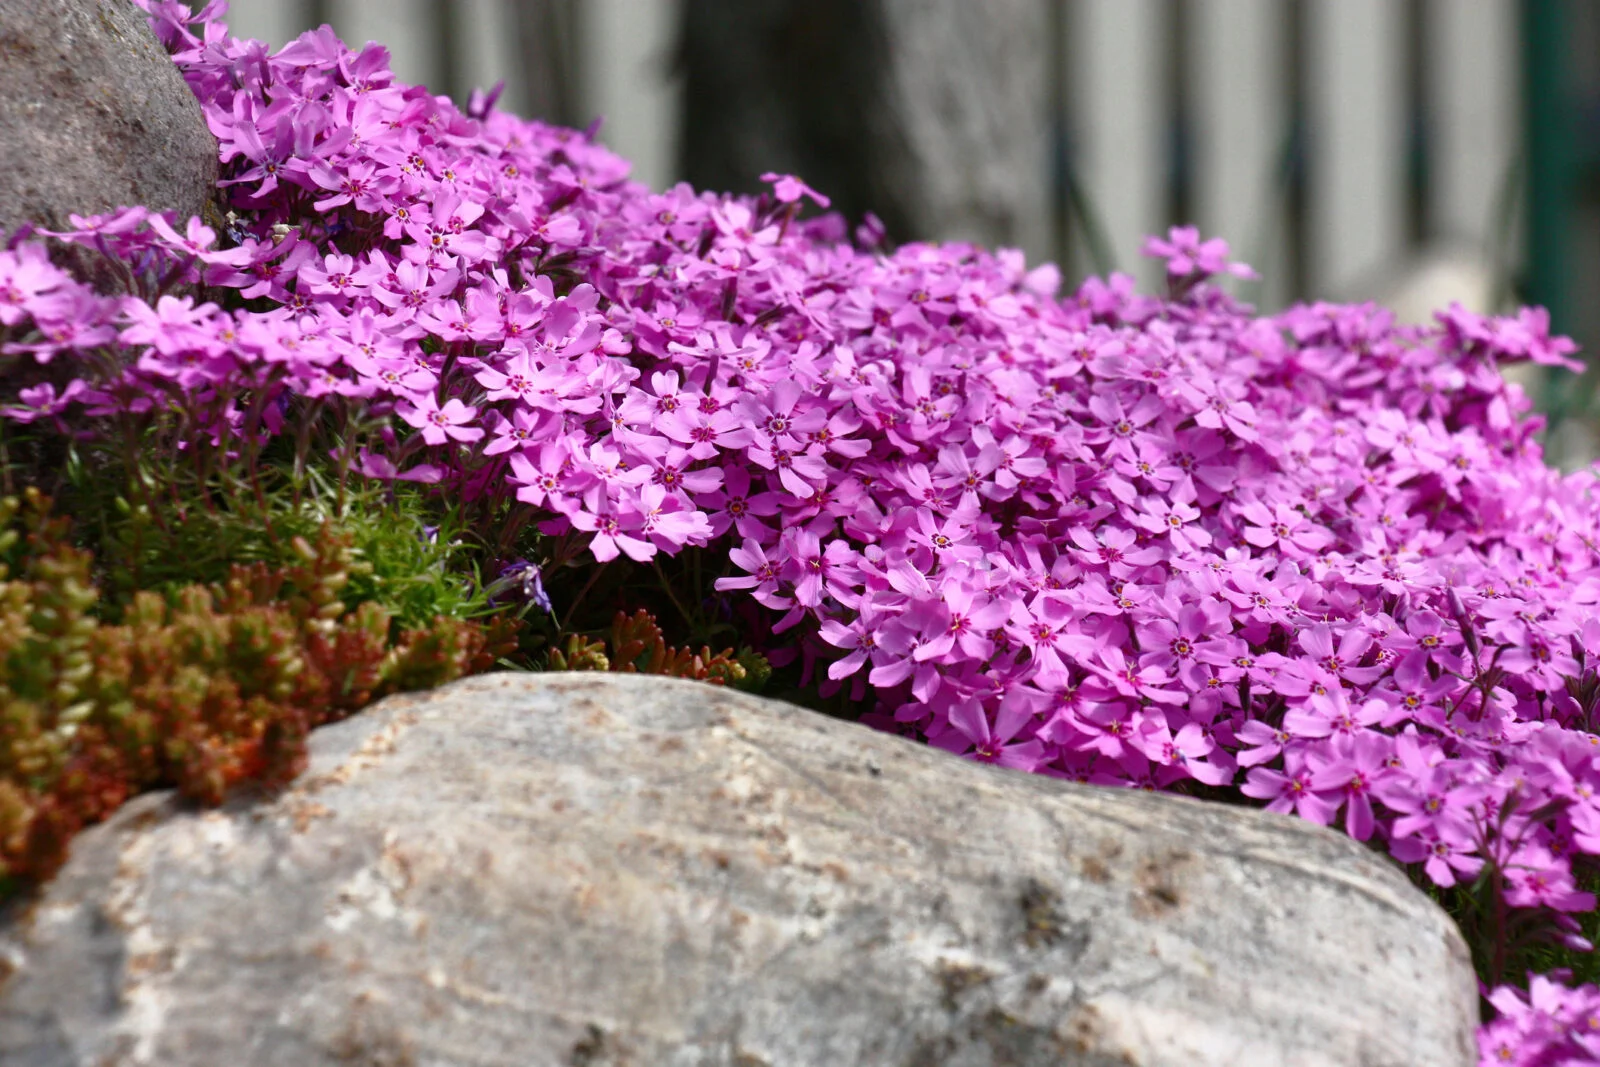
x=623, y=61
x=1231, y=69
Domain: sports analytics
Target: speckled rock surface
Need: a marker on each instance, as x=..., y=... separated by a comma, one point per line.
x=94, y=115
x=606, y=870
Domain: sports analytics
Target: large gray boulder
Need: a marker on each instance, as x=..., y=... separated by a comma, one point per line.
x=93, y=116
x=594, y=870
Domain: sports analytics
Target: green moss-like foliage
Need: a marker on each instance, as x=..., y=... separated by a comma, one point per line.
x=408, y=553
x=202, y=687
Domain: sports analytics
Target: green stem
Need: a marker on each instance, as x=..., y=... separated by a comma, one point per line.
x=673, y=596
x=572, y=609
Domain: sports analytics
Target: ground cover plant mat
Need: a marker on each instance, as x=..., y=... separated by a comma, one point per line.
x=1311, y=561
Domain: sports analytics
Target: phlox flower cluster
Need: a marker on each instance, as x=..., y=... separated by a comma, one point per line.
x=1315, y=559
x=1550, y=1025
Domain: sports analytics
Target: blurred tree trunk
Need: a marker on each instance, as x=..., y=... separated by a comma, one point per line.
x=934, y=114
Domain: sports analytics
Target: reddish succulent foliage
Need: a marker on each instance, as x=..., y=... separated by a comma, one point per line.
x=636, y=646
x=213, y=687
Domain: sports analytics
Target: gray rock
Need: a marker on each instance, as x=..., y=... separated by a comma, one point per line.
x=606, y=870
x=94, y=116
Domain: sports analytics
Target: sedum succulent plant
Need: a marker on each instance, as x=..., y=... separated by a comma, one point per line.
x=203, y=689
x=637, y=646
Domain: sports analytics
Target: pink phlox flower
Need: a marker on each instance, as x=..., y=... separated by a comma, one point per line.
x=949, y=538
x=963, y=616
x=270, y=266
x=272, y=159
x=788, y=189
x=1109, y=726
x=1265, y=742
x=1432, y=802
x=517, y=381
x=674, y=467
x=440, y=424
x=1139, y=683
x=834, y=436
x=761, y=575
x=172, y=326
x=401, y=377
x=1260, y=599
x=1184, y=751
x=1527, y=337
x=670, y=521
x=973, y=735
x=449, y=228
x=799, y=469
x=612, y=476
x=1093, y=595
x=1545, y=659
x=1177, y=642
x=618, y=525
x=964, y=473
x=1177, y=520
x=1045, y=627
x=1115, y=548
x=196, y=240
x=1123, y=426
x=1547, y=1026
x=1414, y=446
x=866, y=637
x=668, y=322
x=1290, y=790
x=1429, y=633
x=337, y=275
x=522, y=431
x=707, y=434
x=1536, y=878
x=26, y=274
x=736, y=227
x=1342, y=659
x=1329, y=714
x=552, y=481
x=1187, y=255
x=1411, y=690
x=1282, y=527
x=1013, y=458
x=352, y=183
x=1445, y=859
x=42, y=401
x=1219, y=405
x=741, y=508
x=66, y=319
x=382, y=468
x=815, y=571
x=1204, y=458
x=414, y=286
x=1153, y=466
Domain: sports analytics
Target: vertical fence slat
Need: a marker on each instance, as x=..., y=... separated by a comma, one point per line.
x=1241, y=123
x=1116, y=73
x=1114, y=66
x=1472, y=98
x=275, y=21
x=489, y=51
x=1356, y=117
x=402, y=26
x=625, y=59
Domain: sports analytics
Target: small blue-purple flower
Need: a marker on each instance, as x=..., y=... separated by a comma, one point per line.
x=526, y=579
